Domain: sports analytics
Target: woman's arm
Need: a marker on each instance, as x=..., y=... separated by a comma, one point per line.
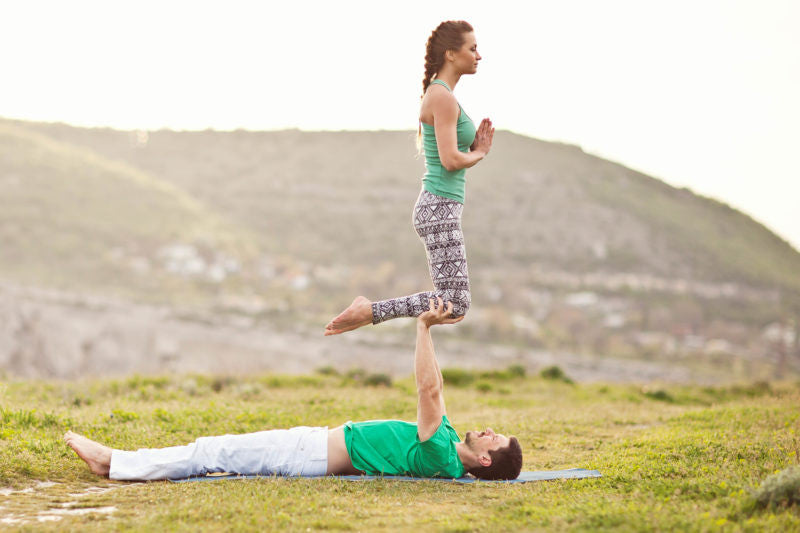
x=445, y=117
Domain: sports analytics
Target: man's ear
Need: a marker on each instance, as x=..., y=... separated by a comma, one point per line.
x=485, y=460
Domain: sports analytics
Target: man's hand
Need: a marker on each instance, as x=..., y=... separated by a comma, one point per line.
x=438, y=314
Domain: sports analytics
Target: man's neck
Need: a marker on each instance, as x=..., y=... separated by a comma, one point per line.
x=465, y=455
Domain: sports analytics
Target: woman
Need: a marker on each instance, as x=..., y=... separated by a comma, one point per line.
x=451, y=144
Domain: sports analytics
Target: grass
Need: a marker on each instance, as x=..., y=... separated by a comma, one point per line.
x=673, y=458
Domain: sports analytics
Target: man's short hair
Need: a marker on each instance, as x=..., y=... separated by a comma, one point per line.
x=506, y=463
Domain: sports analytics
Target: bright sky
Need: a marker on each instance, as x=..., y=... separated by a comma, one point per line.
x=699, y=93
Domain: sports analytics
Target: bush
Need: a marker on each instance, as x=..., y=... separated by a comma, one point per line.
x=220, y=382
x=512, y=372
x=517, y=371
x=457, y=377
x=327, y=371
x=483, y=386
x=754, y=390
x=555, y=373
x=779, y=490
x=658, y=394
x=375, y=380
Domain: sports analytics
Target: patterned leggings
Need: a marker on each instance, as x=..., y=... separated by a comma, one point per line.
x=438, y=224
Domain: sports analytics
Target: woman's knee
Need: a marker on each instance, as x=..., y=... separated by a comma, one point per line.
x=461, y=303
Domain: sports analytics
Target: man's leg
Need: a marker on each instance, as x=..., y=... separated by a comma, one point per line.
x=300, y=451
x=97, y=456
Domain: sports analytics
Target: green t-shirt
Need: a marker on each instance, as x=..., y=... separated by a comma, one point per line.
x=392, y=447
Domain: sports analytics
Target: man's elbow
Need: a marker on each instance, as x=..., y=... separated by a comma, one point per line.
x=430, y=390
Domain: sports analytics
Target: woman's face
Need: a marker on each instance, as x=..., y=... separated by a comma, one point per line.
x=466, y=58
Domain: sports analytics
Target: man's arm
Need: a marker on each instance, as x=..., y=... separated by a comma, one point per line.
x=430, y=384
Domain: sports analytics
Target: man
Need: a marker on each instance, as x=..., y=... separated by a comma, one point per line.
x=429, y=448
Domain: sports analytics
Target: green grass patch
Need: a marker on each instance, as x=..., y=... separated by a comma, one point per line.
x=673, y=458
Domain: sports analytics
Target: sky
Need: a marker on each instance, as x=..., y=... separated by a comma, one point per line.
x=701, y=94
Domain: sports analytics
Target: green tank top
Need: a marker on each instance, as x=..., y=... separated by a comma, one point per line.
x=393, y=448
x=438, y=180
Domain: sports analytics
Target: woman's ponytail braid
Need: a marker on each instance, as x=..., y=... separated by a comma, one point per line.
x=448, y=35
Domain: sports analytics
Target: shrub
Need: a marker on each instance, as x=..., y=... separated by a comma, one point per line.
x=483, y=386
x=79, y=401
x=457, y=377
x=555, y=373
x=779, y=490
x=512, y=372
x=220, y=382
x=517, y=371
x=658, y=394
x=374, y=380
x=754, y=390
x=327, y=371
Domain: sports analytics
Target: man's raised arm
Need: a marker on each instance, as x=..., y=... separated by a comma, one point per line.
x=430, y=405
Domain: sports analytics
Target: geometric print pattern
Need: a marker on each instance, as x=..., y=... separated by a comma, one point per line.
x=437, y=221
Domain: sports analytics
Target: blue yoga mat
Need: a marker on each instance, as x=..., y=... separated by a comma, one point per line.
x=524, y=477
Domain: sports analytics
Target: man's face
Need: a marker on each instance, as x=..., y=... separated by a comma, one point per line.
x=481, y=442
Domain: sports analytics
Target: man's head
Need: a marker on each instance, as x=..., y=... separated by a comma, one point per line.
x=491, y=455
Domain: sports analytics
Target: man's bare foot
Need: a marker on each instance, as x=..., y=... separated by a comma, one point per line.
x=97, y=456
x=358, y=314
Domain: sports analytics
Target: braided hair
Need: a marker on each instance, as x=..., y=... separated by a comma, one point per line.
x=448, y=35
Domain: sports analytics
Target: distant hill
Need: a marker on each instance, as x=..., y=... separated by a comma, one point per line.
x=75, y=219
x=566, y=250
x=345, y=197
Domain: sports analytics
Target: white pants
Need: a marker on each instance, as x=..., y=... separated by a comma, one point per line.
x=300, y=451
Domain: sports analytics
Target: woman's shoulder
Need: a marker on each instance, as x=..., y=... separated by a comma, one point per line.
x=438, y=99
x=438, y=90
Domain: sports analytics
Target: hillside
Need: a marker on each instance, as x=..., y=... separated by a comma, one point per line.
x=77, y=220
x=316, y=194
x=567, y=251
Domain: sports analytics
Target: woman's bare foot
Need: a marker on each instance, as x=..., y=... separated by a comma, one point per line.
x=358, y=314
x=97, y=456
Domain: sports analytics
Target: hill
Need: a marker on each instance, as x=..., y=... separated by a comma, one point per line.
x=567, y=251
x=75, y=219
x=313, y=194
